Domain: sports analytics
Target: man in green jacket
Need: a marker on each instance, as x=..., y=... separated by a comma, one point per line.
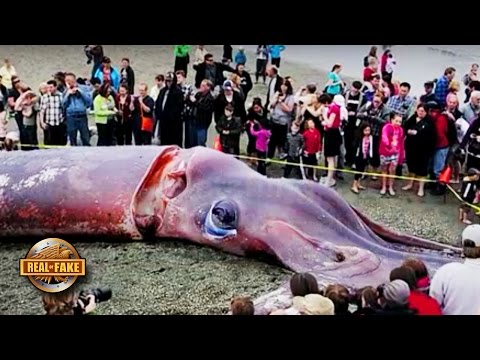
x=182, y=57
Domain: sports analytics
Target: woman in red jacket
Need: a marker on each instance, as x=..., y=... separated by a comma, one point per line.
x=419, y=301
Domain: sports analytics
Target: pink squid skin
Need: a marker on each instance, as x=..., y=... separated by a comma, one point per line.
x=78, y=192
x=165, y=192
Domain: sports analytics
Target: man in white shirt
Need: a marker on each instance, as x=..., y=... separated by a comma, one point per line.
x=456, y=286
x=159, y=85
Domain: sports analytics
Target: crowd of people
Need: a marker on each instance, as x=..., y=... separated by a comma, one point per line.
x=373, y=125
x=453, y=290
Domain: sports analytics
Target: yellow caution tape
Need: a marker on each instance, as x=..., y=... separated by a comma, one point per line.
x=318, y=167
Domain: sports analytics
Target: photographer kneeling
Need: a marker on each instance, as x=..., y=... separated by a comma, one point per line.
x=70, y=302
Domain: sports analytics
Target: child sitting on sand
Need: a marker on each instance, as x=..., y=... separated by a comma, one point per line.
x=364, y=154
x=391, y=151
x=263, y=136
x=469, y=194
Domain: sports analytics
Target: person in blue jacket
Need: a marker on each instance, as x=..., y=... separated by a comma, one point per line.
x=107, y=72
x=276, y=54
x=241, y=57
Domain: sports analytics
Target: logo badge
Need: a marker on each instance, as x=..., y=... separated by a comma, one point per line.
x=52, y=265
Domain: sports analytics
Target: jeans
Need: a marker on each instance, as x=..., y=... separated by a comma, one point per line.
x=439, y=159
x=197, y=135
x=77, y=124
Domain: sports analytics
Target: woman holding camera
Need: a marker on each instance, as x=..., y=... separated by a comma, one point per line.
x=282, y=110
x=68, y=303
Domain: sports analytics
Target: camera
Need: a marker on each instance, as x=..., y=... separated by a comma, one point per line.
x=100, y=295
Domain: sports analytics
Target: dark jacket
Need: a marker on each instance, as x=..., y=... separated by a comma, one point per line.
x=234, y=126
x=237, y=103
x=427, y=98
x=219, y=78
x=129, y=80
x=203, y=108
x=294, y=145
x=4, y=92
x=424, y=142
x=278, y=87
x=169, y=118
x=228, y=52
x=474, y=129
x=246, y=83
x=399, y=311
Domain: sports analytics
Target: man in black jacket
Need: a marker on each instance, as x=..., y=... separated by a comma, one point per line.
x=203, y=104
x=274, y=85
x=229, y=96
x=210, y=70
x=168, y=113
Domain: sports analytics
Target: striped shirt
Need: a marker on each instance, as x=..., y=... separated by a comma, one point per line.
x=52, y=108
x=401, y=105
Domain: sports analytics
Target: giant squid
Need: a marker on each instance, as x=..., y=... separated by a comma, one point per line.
x=205, y=197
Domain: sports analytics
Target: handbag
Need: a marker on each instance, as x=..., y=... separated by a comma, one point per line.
x=147, y=122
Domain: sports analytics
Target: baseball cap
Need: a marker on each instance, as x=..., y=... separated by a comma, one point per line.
x=169, y=76
x=227, y=85
x=472, y=233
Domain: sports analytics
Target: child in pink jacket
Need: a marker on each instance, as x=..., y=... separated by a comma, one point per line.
x=391, y=151
x=263, y=136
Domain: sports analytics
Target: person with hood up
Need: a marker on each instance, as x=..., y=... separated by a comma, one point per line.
x=240, y=56
x=168, y=113
x=107, y=73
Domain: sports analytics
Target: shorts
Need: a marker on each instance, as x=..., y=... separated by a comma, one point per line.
x=391, y=160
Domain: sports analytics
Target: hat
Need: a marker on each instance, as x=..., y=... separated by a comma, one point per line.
x=472, y=233
x=169, y=76
x=227, y=85
x=396, y=292
x=314, y=304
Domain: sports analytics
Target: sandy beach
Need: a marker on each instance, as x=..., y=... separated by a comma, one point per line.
x=171, y=277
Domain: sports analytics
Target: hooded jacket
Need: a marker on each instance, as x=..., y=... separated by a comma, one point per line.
x=114, y=76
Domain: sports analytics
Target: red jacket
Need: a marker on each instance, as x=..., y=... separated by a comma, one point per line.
x=424, y=304
x=313, y=141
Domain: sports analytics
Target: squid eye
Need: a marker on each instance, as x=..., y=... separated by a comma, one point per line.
x=221, y=220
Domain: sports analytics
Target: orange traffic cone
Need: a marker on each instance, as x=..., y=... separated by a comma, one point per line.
x=445, y=176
